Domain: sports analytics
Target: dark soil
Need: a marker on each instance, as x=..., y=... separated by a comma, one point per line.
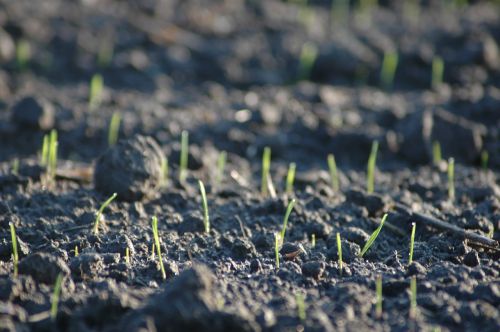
x=229, y=73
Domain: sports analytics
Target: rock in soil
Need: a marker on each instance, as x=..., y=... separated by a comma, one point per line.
x=33, y=113
x=43, y=267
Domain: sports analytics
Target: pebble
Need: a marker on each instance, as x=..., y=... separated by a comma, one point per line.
x=33, y=113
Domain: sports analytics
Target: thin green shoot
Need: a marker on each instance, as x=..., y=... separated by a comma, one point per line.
x=451, y=179
x=266, y=166
x=15, y=255
x=339, y=253
x=313, y=240
x=114, y=128
x=23, y=54
x=370, y=177
x=206, y=218
x=99, y=212
x=301, y=306
x=436, y=153
x=127, y=256
x=55, y=297
x=484, y=160
x=388, y=71
x=334, y=176
x=437, y=72
x=277, y=244
x=164, y=171
x=15, y=166
x=158, y=248
x=290, y=178
x=412, y=241
x=183, y=163
x=52, y=154
x=285, y=219
x=76, y=251
x=373, y=236
x=44, y=158
x=221, y=165
x=378, y=291
x=95, y=91
x=413, y=297
x=308, y=56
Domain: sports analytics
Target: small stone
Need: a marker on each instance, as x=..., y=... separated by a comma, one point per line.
x=131, y=168
x=87, y=266
x=471, y=258
x=192, y=223
x=171, y=268
x=255, y=266
x=313, y=269
x=33, y=113
x=43, y=267
x=242, y=248
x=416, y=268
x=356, y=235
x=291, y=250
x=375, y=204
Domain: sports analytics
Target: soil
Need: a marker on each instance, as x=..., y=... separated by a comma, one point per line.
x=230, y=74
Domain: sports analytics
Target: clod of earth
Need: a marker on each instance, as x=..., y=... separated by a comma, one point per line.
x=33, y=113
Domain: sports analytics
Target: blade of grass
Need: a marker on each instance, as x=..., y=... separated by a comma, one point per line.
x=373, y=236
x=412, y=242
x=285, y=219
x=55, y=297
x=370, y=177
x=206, y=218
x=114, y=128
x=277, y=243
x=15, y=255
x=301, y=306
x=339, y=252
x=290, y=177
x=388, y=71
x=451, y=179
x=378, y=291
x=183, y=163
x=95, y=91
x=334, y=177
x=99, y=212
x=266, y=166
x=157, y=245
x=436, y=153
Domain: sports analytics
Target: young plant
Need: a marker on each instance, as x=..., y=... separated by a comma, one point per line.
x=413, y=297
x=127, y=256
x=339, y=252
x=436, y=153
x=15, y=255
x=44, y=158
x=378, y=291
x=308, y=56
x=277, y=244
x=99, y=213
x=114, y=128
x=52, y=154
x=301, y=306
x=285, y=219
x=373, y=236
x=334, y=176
x=313, y=240
x=437, y=72
x=23, y=54
x=484, y=160
x=266, y=166
x=451, y=179
x=183, y=163
x=206, y=219
x=55, y=297
x=76, y=251
x=388, y=71
x=15, y=166
x=412, y=242
x=370, y=175
x=290, y=177
x=158, y=248
x=221, y=164
x=95, y=91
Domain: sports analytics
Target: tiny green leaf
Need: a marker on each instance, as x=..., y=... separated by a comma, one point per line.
x=373, y=236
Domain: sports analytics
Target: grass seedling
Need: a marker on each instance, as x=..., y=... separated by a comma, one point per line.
x=308, y=56
x=15, y=255
x=290, y=177
x=23, y=54
x=51, y=154
x=436, y=153
x=221, y=164
x=313, y=240
x=206, y=218
x=266, y=166
x=412, y=241
x=15, y=167
x=76, y=251
x=378, y=291
x=158, y=248
x=373, y=236
x=301, y=306
x=127, y=256
x=484, y=160
x=388, y=71
x=164, y=171
x=183, y=163
x=277, y=244
x=370, y=174
x=451, y=179
x=413, y=297
x=285, y=219
x=44, y=158
x=114, y=128
x=339, y=252
x=437, y=72
x=55, y=297
x=95, y=91
x=334, y=176
x=99, y=213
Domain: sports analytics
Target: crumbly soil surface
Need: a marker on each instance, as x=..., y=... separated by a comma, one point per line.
x=230, y=73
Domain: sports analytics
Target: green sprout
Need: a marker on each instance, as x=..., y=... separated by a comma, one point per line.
x=339, y=252
x=290, y=177
x=158, y=248
x=183, y=163
x=221, y=164
x=164, y=171
x=50, y=157
x=266, y=166
x=436, y=153
x=76, y=251
x=308, y=56
x=127, y=256
x=370, y=177
x=334, y=176
x=413, y=297
x=301, y=306
x=484, y=160
x=373, y=236
x=95, y=91
x=412, y=241
x=15, y=166
x=451, y=179
x=378, y=291
x=437, y=72
x=99, y=212
x=206, y=219
x=15, y=255
x=277, y=244
x=23, y=54
x=388, y=71
x=45, y=151
x=55, y=297
x=285, y=219
x=114, y=128
x=313, y=240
